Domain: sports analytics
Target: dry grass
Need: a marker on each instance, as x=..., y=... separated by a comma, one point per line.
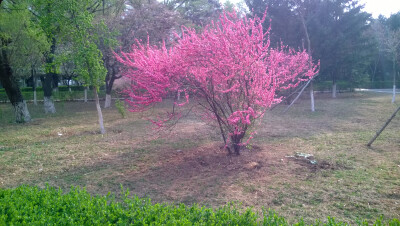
x=186, y=165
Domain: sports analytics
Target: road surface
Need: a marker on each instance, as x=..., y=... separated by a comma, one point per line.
x=390, y=91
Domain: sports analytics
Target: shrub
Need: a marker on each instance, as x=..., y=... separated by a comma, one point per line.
x=121, y=107
x=49, y=206
x=229, y=65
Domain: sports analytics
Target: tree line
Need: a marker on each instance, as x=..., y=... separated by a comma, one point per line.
x=49, y=39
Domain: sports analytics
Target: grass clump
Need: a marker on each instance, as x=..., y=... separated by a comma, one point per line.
x=49, y=206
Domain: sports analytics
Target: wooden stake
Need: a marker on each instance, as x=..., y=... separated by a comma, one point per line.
x=297, y=97
x=384, y=126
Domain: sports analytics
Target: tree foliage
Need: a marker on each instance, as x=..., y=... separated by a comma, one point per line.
x=387, y=33
x=197, y=13
x=27, y=42
x=336, y=30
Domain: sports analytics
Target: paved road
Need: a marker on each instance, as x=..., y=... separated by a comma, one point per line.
x=378, y=90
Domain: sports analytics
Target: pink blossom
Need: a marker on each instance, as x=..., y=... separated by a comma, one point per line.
x=229, y=67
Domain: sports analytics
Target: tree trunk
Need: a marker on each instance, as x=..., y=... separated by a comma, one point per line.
x=236, y=142
x=47, y=82
x=69, y=85
x=12, y=89
x=34, y=97
x=110, y=79
x=55, y=82
x=85, y=98
x=109, y=84
x=33, y=73
x=47, y=94
x=107, y=102
x=303, y=22
x=100, y=114
x=312, y=97
x=49, y=105
x=22, y=112
x=34, y=91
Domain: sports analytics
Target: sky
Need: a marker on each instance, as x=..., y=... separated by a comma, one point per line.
x=384, y=7
x=375, y=7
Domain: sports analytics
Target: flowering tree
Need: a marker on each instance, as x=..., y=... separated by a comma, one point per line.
x=228, y=68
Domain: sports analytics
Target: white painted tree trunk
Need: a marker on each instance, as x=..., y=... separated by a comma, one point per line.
x=70, y=90
x=21, y=112
x=394, y=78
x=394, y=94
x=49, y=105
x=100, y=114
x=179, y=96
x=303, y=22
x=107, y=102
x=334, y=90
x=312, y=97
x=85, y=98
x=34, y=98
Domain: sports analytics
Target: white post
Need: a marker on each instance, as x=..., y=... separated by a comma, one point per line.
x=394, y=94
x=334, y=90
x=312, y=97
x=85, y=94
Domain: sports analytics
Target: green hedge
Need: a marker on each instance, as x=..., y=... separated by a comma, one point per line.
x=60, y=95
x=27, y=205
x=40, y=89
x=327, y=85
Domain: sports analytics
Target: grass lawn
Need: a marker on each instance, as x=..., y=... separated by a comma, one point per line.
x=350, y=181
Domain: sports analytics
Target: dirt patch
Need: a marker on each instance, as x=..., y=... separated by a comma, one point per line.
x=207, y=175
x=201, y=173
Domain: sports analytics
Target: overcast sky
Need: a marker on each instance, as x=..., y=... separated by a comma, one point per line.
x=375, y=7
x=384, y=7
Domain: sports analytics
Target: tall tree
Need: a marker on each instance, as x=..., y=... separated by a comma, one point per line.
x=21, y=41
x=139, y=21
x=11, y=86
x=48, y=14
x=337, y=34
x=106, y=43
x=334, y=28
x=394, y=37
x=87, y=56
x=388, y=35
x=53, y=18
x=107, y=28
